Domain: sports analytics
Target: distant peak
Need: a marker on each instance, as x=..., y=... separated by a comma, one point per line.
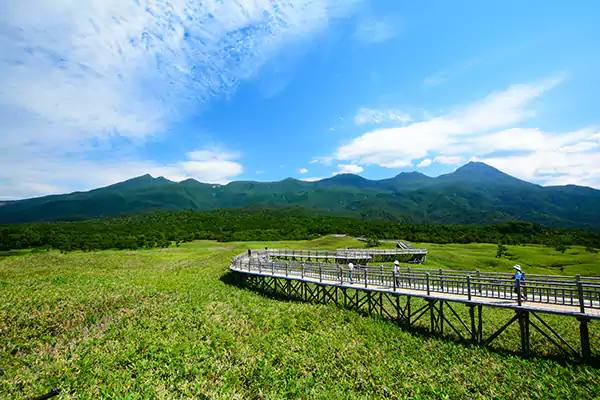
x=411, y=173
x=481, y=173
x=145, y=176
x=476, y=165
x=142, y=180
x=190, y=180
x=346, y=175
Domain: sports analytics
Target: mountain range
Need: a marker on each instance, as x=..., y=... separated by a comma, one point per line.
x=475, y=193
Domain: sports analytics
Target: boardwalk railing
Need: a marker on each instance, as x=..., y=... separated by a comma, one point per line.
x=341, y=254
x=581, y=292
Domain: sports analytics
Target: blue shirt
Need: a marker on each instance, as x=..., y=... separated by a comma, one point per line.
x=519, y=276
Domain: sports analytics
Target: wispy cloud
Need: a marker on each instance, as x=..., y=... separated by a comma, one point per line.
x=349, y=169
x=397, y=146
x=443, y=75
x=448, y=160
x=465, y=66
x=367, y=115
x=303, y=170
x=78, y=75
x=375, y=30
x=314, y=179
x=425, y=163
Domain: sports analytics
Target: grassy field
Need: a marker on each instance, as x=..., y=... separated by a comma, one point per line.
x=167, y=324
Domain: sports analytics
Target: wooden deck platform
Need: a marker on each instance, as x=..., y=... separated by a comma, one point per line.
x=577, y=297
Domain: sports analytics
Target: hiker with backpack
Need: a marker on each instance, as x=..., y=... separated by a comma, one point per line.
x=519, y=279
x=397, y=272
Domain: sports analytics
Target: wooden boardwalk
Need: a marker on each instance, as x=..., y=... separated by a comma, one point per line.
x=405, y=254
x=577, y=296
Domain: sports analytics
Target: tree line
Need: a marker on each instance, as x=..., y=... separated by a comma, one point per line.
x=166, y=228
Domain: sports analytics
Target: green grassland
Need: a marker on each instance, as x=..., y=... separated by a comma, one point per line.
x=169, y=324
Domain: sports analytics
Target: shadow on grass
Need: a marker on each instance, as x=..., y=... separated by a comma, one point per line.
x=234, y=279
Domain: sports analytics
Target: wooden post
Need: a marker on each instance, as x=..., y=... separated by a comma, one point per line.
x=431, y=315
x=480, y=329
x=518, y=281
x=320, y=273
x=580, y=294
x=341, y=275
x=585, y=338
x=473, y=328
x=408, y=272
x=428, y=288
x=469, y=287
x=302, y=270
x=366, y=278
x=394, y=277
x=287, y=266
x=441, y=281
x=524, y=328
x=478, y=281
x=441, y=318
x=408, y=310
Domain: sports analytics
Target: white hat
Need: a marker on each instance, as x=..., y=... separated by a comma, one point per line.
x=351, y=265
x=517, y=267
x=397, y=262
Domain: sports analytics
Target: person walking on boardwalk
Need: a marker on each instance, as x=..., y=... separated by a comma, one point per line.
x=351, y=272
x=520, y=278
x=397, y=272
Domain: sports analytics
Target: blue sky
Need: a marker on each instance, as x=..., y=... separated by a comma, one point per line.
x=96, y=92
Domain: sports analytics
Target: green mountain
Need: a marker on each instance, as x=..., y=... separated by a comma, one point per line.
x=474, y=194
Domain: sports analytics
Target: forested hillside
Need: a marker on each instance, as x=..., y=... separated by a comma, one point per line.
x=474, y=194
x=164, y=228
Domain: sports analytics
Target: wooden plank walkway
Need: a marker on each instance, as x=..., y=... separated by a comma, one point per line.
x=561, y=308
x=404, y=254
x=379, y=290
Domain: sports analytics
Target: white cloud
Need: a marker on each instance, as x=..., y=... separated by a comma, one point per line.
x=449, y=160
x=580, y=147
x=397, y=164
x=322, y=160
x=260, y=172
x=312, y=179
x=20, y=177
x=77, y=75
x=387, y=146
x=551, y=168
x=425, y=163
x=303, y=170
x=370, y=116
x=375, y=31
x=212, y=154
x=349, y=169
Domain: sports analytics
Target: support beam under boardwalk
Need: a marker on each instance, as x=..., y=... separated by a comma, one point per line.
x=442, y=316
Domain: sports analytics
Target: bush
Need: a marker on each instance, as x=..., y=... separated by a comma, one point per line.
x=372, y=243
x=501, y=250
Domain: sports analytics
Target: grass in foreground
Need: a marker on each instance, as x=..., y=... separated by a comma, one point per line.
x=164, y=324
